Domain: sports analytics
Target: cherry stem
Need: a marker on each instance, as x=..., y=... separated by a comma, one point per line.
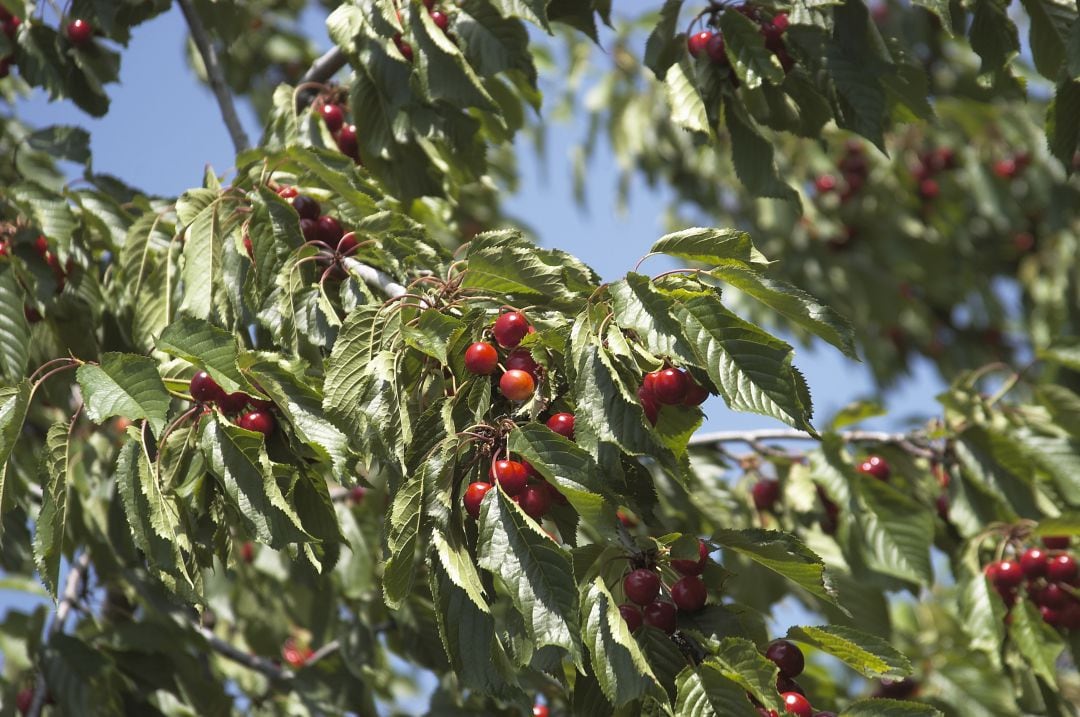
x=171, y=427
x=42, y=367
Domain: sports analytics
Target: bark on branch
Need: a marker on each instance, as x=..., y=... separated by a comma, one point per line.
x=910, y=442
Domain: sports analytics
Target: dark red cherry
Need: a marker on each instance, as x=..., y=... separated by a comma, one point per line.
x=641, y=586
x=877, y=467
x=697, y=43
x=333, y=116
x=330, y=230
x=786, y=656
x=563, y=424
x=689, y=593
x=204, y=389
x=692, y=567
x=258, y=421
x=306, y=207
x=80, y=32
x=1033, y=563
x=510, y=328
x=474, y=494
x=631, y=614
x=661, y=615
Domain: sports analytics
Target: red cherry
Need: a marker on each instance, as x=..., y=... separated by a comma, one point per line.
x=563, y=424
x=306, y=207
x=24, y=699
x=403, y=47
x=1056, y=542
x=249, y=248
x=510, y=475
x=929, y=189
x=310, y=229
x=348, y=243
x=716, y=51
x=79, y=32
x=510, y=328
x=295, y=655
x=697, y=42
x=481, y=359
x=1053, y=595
x=1033, y=563
x=258, y=421
x=41, y=246
x=641, y=586
x=540, y=711
x=942, y=505
x=522, y=360
x=1062, y=569
x=786, y=684
x=247, y=551
x=797, y=705
x=536, y=501
x=330, y=230
x=787, y=657
x=333, y=116
x=288, y=192
x=825, y=183
x=1050, y=616
x=648, y=401
x=765, y=493
x=474, y=494
x=356, y=495
x=631, y=614
x=692, y=567
x=1069, y=616
x=1005, y=168
x=661, y=615
x=689, y=593
x=780, y=21
x=877, y=467
x=626, y=519
x=669, y=386
x=696, y=394
x=1005, y=575
x=517, y=385
x=232, y=402
x=441, y=19
x=11, y=26
x=347, y=142
x=204, y=389
x=32, y=314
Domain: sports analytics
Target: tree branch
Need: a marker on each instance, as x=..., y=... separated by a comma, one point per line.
x=72, y=591
x=754, y=439
x=374, y=277
x=326, y=66
x=254, y=662
x=215, y=75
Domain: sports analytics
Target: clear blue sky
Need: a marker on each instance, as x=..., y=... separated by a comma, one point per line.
x=164, y=127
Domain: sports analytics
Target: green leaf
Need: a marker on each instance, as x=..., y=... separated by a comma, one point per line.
x=751, y=368
x=534, y=570
x=362, y=394
x=203, y=261
x=782, y=553
x=62, y=142
x=1063, y=121
x=707, y=693
x=78, y=677
x=745, y=47
x=433, y=333
x=642, y=308
x=738, y=660
x=1039, y=643
x=493, y=44
x=238, y=459
x=889, y=708
x=51, y=522
x=618, y=663
x=753, y=155
x=14, y=331
x=664, y=47
x=684, y=98
x=1049, y=29
x=124, y=385
x=710, y=246
x=982, y=615
x=14, y=402
x=447, y=77
x=515, y=269
x=1063, y=405
x=868, y=655
x=1067, y=524
x=203, y=344
x=993, y=36
x=897, y=529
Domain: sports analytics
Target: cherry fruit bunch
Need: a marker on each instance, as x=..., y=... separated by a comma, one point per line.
x=79, y=33
x=437, y=15
x=332, y=107
x=709, y=42
x=643, y=586
x=1047, y=575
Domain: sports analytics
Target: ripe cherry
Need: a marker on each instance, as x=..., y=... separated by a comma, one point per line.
x=441, y=19
x=348, y=244
x=481, y=358
x=825, y=183
x=403, y=47
x=24, y=699
x=1050, y=616
x=631, y=614
x=310, y=229
x=692, y=567
x=1033, y=563
x=1005, y=575
x=796, y=704
x=333, y=116
x=563, y=424
x=669, y=386
x=1056, y=542
x=474, y=494
x=247, y=551
x=295, y=655
x=716, y=50
x=780, y=21
x=877, y=467
x=288, y=192
x=696, y=394
x=330, y=230
x=517, y=385
x=510, y=475
x=641, y=586
x=942, y=505
x=11, y=25
x=929, y=189
x=521, y=360
x=1005, y=168
x=510, y=329
x=661, y=615
x=204, y=389
x=230, y=403
x=258, y=421
x=357, y=494
x=787, y=657
x=536, y=501
x=689, y=593
x=1062, y=569
x=306, y=207
x=540, y=711
x=347, y=141
x=648, y=401
x=698, y=42
x=765, y=493
x=79, y=32
x=1053, y=595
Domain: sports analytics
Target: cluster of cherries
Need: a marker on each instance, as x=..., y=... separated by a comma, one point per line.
x=333, y=115
x=519, y=480
x=441, y=20
x=669, y=387
x=1010, y=168
x=78, y=32
x=518, y=381
x=854, y=170
x=1050, y=577
x=254, y=414
x=41, y=246
x=789, y=660
x=320, y=230
x=642, y=588
x=710, y=43
x=25, y=698
x=295, y=654
x=930, y=164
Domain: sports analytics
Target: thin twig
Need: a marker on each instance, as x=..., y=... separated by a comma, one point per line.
x=72, y=591
x=320, y=71
x=215, y=75
x=254, y=662
x=906, y=441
